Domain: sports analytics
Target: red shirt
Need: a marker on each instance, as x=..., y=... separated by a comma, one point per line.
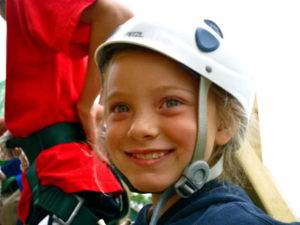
x=46, y=62
x=47, y=49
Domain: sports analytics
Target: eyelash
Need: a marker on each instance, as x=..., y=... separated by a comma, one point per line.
x=169, y=99
x=114, y=108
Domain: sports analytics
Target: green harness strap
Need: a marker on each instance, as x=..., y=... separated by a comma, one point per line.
x=67, y=209
x=40, y=140
x=7, y=184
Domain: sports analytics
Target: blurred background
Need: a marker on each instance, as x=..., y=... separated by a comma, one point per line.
x=267, y=33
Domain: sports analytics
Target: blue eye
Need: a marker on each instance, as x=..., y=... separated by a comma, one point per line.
x=121, y=109
x=172, y=102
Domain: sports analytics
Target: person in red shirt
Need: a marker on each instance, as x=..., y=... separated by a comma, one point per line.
x=51, y=86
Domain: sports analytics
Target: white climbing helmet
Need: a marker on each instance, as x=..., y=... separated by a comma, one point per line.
x=196, y=44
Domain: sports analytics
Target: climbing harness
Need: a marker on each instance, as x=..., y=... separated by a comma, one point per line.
x=65, y=208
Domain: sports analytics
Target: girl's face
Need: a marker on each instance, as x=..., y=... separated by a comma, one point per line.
x=151, y=115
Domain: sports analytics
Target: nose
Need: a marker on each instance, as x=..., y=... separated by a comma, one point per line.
x=143, y=127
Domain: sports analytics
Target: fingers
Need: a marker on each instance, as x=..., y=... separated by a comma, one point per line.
x=91, y=123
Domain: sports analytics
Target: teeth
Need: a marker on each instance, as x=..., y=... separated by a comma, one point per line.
x=149, y=155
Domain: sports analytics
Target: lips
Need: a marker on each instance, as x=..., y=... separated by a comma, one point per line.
x=148, y=154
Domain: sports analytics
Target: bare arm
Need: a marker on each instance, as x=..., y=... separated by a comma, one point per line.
x=2, y=126
x=103, y=16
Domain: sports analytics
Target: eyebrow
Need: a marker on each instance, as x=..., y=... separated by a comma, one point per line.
x=160, y=88
x=166, y=88
x=113, y=94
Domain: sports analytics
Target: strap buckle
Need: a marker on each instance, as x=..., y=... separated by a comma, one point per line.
x=193, y=179
x=72, y=215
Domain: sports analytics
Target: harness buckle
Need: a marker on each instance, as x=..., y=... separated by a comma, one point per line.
x=72, y=215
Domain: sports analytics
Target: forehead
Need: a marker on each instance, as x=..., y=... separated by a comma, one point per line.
x=137, y=52
x=147, y=64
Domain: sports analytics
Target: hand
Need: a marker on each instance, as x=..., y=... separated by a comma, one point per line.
x=90, y=118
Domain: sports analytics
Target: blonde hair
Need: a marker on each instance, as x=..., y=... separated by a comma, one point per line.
x=231, y=113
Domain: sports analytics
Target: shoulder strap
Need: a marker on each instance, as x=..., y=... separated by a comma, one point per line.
x=67, y=209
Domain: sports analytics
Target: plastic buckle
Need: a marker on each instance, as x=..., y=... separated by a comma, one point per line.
x=193, y=179
x=184, y=187
x=72, y=215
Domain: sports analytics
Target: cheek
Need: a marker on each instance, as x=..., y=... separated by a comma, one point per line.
x=113, y=137
x=183, y=133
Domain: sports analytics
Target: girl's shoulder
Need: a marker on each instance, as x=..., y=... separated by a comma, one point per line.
x=231, y=213
x=218, y=203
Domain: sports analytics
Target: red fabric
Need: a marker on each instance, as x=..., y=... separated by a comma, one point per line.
x=47, y=50
x=57, y=166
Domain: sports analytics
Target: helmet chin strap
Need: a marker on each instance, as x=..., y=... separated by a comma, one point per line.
x=197, y=173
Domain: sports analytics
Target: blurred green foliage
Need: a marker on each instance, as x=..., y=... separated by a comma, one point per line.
x=139, y=200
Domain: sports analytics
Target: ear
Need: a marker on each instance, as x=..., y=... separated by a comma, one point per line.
x=223, y=135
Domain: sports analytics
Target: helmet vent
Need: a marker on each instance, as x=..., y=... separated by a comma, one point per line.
x=206, y=41
x=215, y=27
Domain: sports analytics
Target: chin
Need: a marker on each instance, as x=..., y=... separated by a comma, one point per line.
x=147, y=187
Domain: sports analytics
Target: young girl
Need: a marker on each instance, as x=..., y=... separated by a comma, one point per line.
x=177, y=105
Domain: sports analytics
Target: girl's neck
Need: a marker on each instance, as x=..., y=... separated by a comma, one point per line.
x=170, y=202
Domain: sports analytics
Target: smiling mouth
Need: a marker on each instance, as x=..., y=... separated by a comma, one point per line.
x=150, y=155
